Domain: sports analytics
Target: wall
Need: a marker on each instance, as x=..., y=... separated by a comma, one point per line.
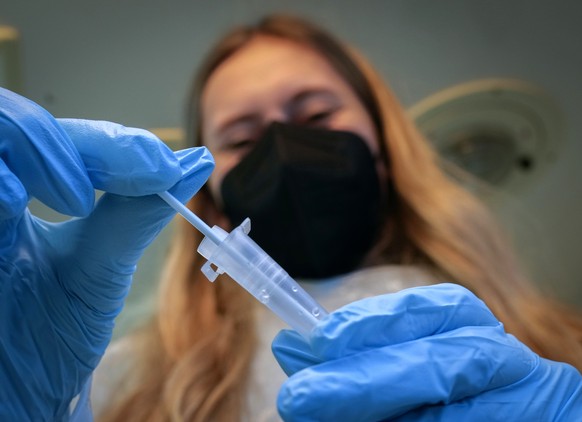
x=131, y=61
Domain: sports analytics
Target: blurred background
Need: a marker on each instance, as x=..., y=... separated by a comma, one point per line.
x=496, y=85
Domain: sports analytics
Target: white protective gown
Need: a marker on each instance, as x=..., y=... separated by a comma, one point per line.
x=266, y=374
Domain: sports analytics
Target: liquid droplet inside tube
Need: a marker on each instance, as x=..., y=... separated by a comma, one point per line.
x=315, y=312
x=264, y=296
x=294, y=288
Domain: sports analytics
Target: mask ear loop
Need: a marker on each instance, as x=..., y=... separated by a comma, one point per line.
x=382, y=163
x=387, y=233
x=383, y=154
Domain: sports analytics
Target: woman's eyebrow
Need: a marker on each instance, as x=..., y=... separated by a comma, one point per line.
x=311, y=93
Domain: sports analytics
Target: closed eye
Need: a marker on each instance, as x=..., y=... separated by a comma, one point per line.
x=240, y=145
x=318, y=117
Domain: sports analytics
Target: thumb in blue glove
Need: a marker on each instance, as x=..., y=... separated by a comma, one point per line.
x=62, y=284
x=429, y=353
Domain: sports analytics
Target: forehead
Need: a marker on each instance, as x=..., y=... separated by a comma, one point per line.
x=266, y=71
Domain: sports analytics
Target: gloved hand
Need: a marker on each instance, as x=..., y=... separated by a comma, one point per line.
x=61, y=285
x=431, y=353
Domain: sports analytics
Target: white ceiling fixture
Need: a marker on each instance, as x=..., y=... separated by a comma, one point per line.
x=503, y=131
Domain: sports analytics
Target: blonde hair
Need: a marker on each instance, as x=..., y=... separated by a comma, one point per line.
x=461, y=239
x=196, y=356
x=193, y=360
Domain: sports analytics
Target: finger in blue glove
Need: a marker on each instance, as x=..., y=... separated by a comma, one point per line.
x=551, y=392
x=37, y=159
x=388, y=355
x=62, y=284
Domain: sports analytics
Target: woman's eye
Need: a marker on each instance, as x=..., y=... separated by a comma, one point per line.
x=242, y=144
x=317, y=117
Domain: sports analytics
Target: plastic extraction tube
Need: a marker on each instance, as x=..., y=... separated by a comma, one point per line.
x=237, y=255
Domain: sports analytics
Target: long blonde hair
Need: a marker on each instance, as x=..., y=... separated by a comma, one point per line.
x=195, y=357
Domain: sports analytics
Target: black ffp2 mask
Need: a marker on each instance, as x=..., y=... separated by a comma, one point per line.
x=312, y=195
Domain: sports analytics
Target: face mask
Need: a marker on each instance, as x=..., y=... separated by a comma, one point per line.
x=312, y=195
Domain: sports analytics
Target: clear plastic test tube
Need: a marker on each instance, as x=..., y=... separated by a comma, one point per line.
x=237, y=255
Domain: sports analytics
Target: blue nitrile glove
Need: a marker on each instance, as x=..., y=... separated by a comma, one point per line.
x=431, y=353
x=62, y=284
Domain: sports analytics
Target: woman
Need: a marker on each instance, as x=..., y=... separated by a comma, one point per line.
x=277, y=85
